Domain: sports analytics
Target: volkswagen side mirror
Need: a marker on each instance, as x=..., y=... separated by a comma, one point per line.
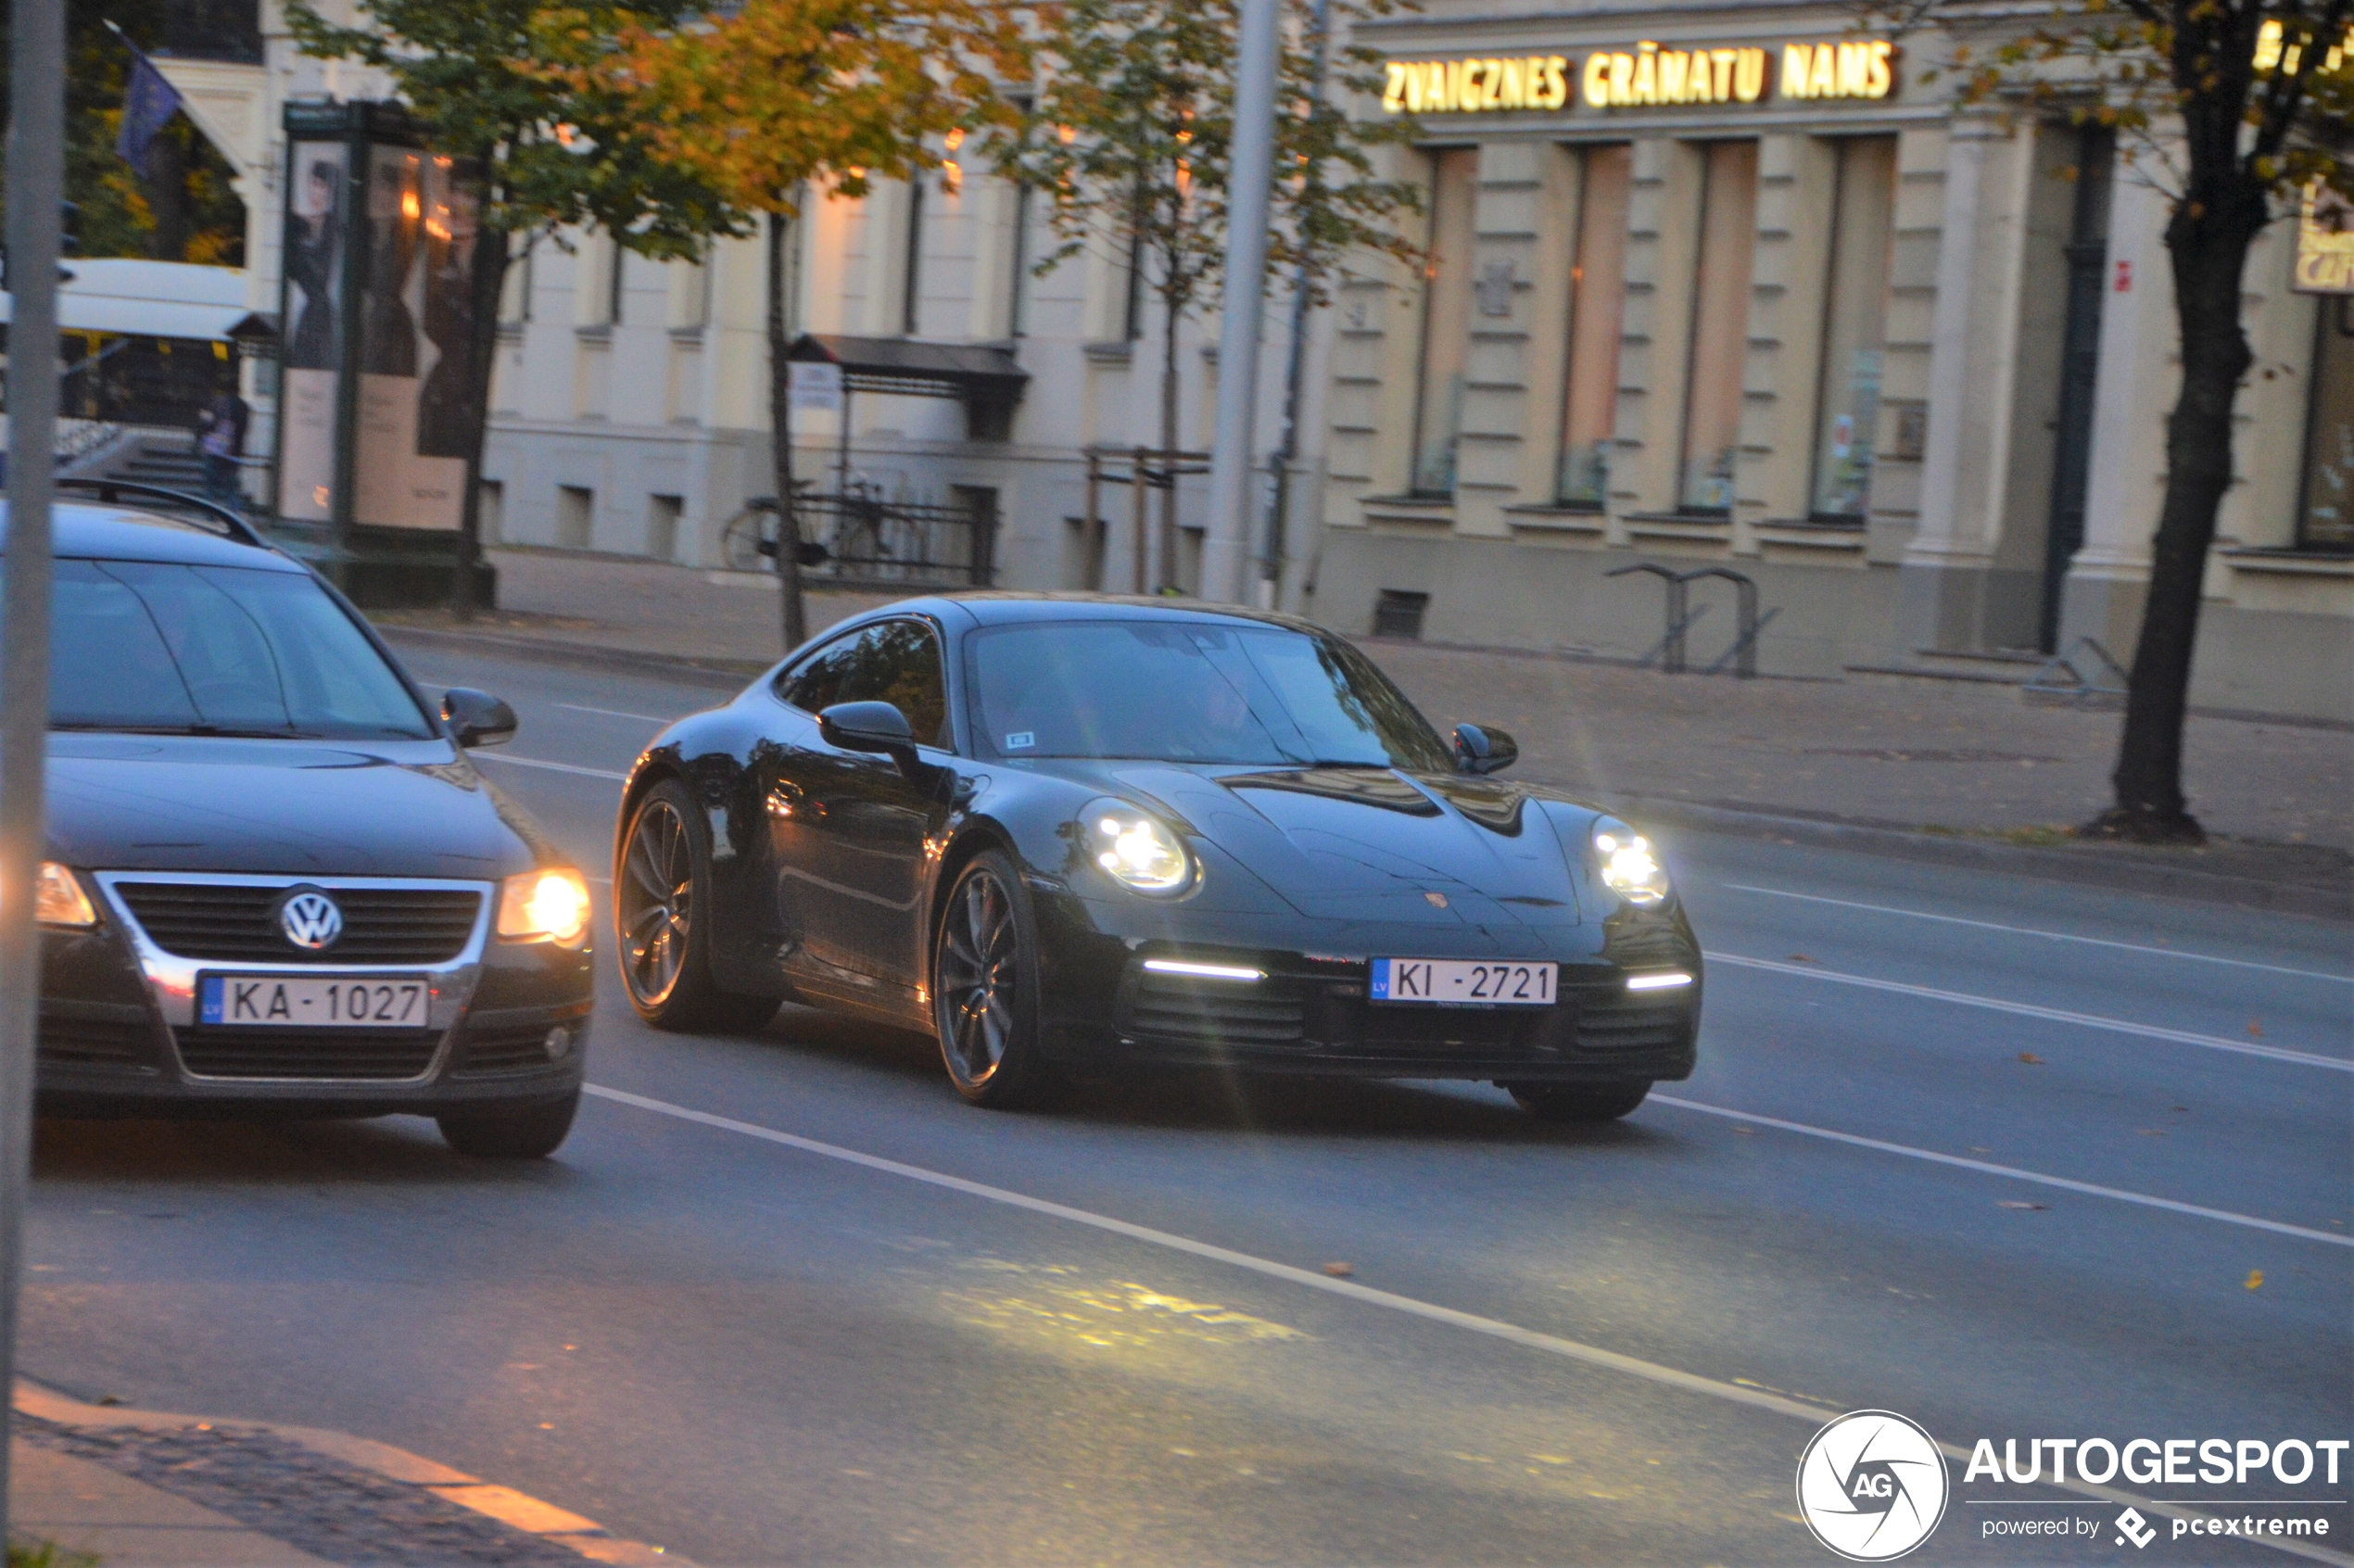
x=477, y=718
x=1481, y=747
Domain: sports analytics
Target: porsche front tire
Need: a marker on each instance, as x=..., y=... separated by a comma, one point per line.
x=984, y=988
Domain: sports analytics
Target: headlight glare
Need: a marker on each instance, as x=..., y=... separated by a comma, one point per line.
x=1136, y=849
x=57, y=898
x=1627, y=864
x=550, y=904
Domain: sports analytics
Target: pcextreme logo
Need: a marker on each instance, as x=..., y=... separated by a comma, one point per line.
x=1872, y=1486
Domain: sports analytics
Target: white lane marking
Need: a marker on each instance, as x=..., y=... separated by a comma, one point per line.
x=2049, y=936
x=2012, y=1172
x=612, y=713
x=1570, y=1349
x=551, y=766
x=2029, y=1010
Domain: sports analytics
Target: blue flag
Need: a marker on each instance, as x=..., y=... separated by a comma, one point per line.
x=148, y=104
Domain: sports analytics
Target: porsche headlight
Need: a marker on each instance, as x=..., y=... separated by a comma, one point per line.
x=1627, y=864
x=1136, y=849
x=57, y=898
x=550, y=904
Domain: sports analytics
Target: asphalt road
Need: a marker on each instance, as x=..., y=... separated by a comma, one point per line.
x=2015, y=1159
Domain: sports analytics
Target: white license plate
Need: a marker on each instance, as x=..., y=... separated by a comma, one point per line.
x=1449, y=980
x=303, y=1002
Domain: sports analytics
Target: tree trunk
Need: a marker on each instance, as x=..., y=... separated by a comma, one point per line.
x=488, y=283
x=2207, y=244
x=781, y=437
x=1166, y=572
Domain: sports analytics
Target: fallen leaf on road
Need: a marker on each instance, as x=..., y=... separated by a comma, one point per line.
x=1801, y=958
x=2031, y=1058
x=1340, y=1270
x=2255, y=1278
x=1976, y=1148
x=1746, y=1131
x=2013, y=1203
x=2256, y=1029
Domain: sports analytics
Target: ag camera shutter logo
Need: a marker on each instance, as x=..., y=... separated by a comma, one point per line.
x=1872, y=1486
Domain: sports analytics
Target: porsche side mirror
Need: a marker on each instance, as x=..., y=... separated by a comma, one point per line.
x=866, y=727
x=477, y=718
x=1481, y=747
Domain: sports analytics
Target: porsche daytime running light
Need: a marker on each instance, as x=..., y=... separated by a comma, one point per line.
x=1136, y=849
x=1628, y=867
x=57, y=898
x=551, y=905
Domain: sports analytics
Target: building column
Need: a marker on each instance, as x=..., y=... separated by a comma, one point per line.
x=1973, y=361
x=2140, y=374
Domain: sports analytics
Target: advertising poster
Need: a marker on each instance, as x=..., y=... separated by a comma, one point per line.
x=416, y=329
x=313, y=348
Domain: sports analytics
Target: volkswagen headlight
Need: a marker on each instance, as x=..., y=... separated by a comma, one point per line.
x=57, y=898
x=1627, y=863
x=1136, y=849
x=550, y=904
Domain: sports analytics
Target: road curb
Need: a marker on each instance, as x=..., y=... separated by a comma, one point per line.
x=591, y=1540
x=2084, y=866
x=720, y=675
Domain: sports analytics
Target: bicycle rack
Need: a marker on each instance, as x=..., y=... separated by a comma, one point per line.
x=1670, y=649
x=2086, y=687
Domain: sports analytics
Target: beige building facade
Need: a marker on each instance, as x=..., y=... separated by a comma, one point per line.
x=1730, y=286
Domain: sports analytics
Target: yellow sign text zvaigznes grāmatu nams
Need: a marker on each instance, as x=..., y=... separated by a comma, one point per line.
x=1646, y=77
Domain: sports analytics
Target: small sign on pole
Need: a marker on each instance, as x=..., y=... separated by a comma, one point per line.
x=2325, y=242
x=816, y=387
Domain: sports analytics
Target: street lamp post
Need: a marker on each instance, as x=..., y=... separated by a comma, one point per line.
x=1248, y=195
x=36, y=194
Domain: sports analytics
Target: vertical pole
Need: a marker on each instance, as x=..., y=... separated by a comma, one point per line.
x=36, y=195
x=1249, y=194
x=1138, y=491
x=359, y=174
x=1270, y=566
x=1091, y=541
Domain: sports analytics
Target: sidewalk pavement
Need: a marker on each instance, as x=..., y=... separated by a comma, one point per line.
x=1970, y=761
x=147, y=1489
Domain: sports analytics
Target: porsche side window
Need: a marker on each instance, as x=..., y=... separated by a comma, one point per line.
x=894, y=662
x=898, y=662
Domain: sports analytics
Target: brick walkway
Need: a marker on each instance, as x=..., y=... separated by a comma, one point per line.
x=1943, y=755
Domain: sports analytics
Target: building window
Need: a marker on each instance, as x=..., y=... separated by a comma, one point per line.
x=2325, y=511
x=912, y=267
x=1720, y=325
x=1855, y=327
x=1018, y=301
x=615, y=260
x=1597, y=301
x=1447, y=277
x=1131, y=320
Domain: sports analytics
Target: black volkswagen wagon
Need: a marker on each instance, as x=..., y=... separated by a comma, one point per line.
x=274, y=883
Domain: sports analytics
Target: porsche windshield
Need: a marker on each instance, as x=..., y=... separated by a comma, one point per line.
x=1193, y=692
x=159, y=649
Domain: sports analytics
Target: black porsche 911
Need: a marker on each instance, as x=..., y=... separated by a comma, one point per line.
x=1068, y=834
x=274, y=885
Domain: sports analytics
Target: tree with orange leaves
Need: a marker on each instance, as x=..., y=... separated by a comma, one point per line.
x=777, y=97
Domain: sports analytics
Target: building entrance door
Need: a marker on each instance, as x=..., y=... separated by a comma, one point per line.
x=2087, y=255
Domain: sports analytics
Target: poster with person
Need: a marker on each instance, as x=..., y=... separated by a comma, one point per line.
x=312, y=355
x=415, y=340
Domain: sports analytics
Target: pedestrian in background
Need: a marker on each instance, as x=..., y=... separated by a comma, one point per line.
x=221, y=436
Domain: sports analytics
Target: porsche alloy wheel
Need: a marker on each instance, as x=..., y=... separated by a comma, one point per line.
x=661, y=889
x=983, y=988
